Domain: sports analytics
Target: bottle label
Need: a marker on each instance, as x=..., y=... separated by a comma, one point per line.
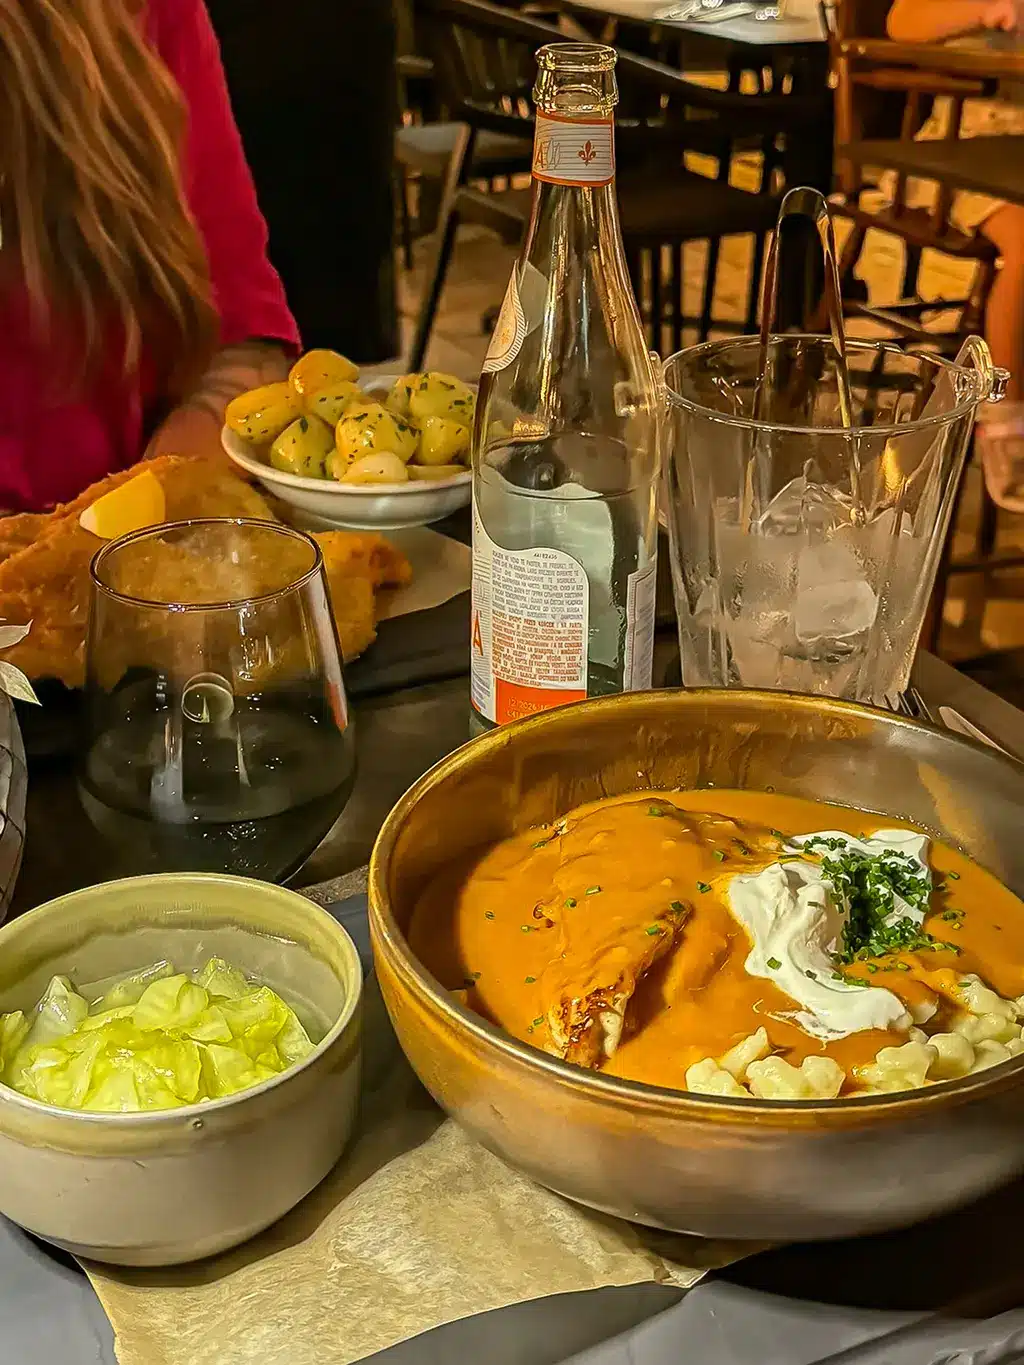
x=572, y=152
x=528, y=647
x=509, y=332
x=641, y=593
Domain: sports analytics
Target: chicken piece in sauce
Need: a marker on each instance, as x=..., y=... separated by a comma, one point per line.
x=617, y=913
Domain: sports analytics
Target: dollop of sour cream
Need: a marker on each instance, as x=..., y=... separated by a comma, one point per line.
x=795, y=924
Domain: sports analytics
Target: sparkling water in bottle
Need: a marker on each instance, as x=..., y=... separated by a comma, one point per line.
x=566, y=445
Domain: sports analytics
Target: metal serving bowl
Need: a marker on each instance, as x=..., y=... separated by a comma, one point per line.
x=174, y=1185
x=716, y=1167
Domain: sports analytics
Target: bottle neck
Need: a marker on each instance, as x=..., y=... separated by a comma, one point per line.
x=577, y=152
x=574, y=186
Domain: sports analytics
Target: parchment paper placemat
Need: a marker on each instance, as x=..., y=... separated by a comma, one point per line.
x=417, y=1226
x=441, y=569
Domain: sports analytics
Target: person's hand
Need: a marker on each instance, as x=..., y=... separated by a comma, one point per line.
x=188, y=430
x=1000, y=14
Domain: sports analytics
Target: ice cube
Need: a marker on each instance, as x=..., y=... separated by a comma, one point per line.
x=806, y=505
x=834, y=611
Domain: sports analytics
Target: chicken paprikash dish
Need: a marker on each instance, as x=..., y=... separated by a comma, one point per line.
x=739, y=944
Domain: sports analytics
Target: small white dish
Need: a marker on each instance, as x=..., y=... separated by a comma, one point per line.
x=324, y=504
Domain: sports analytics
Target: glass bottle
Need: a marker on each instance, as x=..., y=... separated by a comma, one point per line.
x=566, y=453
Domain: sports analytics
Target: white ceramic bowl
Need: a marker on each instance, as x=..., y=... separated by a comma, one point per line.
x=173, y=1185
x=322, y=504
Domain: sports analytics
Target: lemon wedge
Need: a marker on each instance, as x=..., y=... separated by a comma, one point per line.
x=133, y=506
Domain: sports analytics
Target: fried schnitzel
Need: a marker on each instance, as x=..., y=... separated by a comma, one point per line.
x=44, y=564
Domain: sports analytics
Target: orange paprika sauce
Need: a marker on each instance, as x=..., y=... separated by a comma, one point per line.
x=483, y=928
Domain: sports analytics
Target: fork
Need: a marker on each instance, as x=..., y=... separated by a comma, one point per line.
x=912, y=704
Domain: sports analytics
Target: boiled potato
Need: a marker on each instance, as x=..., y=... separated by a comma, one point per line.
x=382, y=468
x=400, y=394
x=369, y=429
x=318, y=370
x=433, y=473
x=260, y=415
x=442, y=441
x=336, y=466
x=303, y=448
x=331, y=403
x=442, y=395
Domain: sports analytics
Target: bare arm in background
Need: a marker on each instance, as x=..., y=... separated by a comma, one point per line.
x=932, y=21
x=194, y=427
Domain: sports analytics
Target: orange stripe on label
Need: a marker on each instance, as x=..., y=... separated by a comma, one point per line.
x=512, y=701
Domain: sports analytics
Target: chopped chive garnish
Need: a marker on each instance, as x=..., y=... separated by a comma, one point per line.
x=813, y=975
x=778, y=833
x=773, y=964
x=530, y=980
x=655, y=810
x=953, y=876
x=703, y=887
x=541, y=843
x=718, y=856
x=570, y=902
x=836, y=845
x=677, y=907
x=654, y=929
x=872, y=968
x=538, y=1021
x=593, y=890
x=488, y=914
x=526, y=928
x=867, y=887
x=903, y=966
x=744, y=850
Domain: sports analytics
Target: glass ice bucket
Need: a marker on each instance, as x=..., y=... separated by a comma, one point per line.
x=805, y=547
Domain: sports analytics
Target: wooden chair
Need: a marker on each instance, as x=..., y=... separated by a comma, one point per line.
x=484, y=59
x=424, y=146
x=884, y=94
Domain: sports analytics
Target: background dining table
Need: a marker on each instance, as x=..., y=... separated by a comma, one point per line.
x=799, y=23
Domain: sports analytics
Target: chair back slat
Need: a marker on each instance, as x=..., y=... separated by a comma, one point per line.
x=485, y=64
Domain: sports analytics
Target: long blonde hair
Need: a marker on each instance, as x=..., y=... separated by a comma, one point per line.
x=91, y=130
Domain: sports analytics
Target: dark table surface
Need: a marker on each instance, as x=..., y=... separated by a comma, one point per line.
x=871, y=1301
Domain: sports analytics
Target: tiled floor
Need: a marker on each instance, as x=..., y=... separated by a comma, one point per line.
x=477, y=282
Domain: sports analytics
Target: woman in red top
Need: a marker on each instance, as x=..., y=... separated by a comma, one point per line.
x=136, y=297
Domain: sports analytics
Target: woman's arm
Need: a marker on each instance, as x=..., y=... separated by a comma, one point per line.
x=194, y=427
x=932, y=21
